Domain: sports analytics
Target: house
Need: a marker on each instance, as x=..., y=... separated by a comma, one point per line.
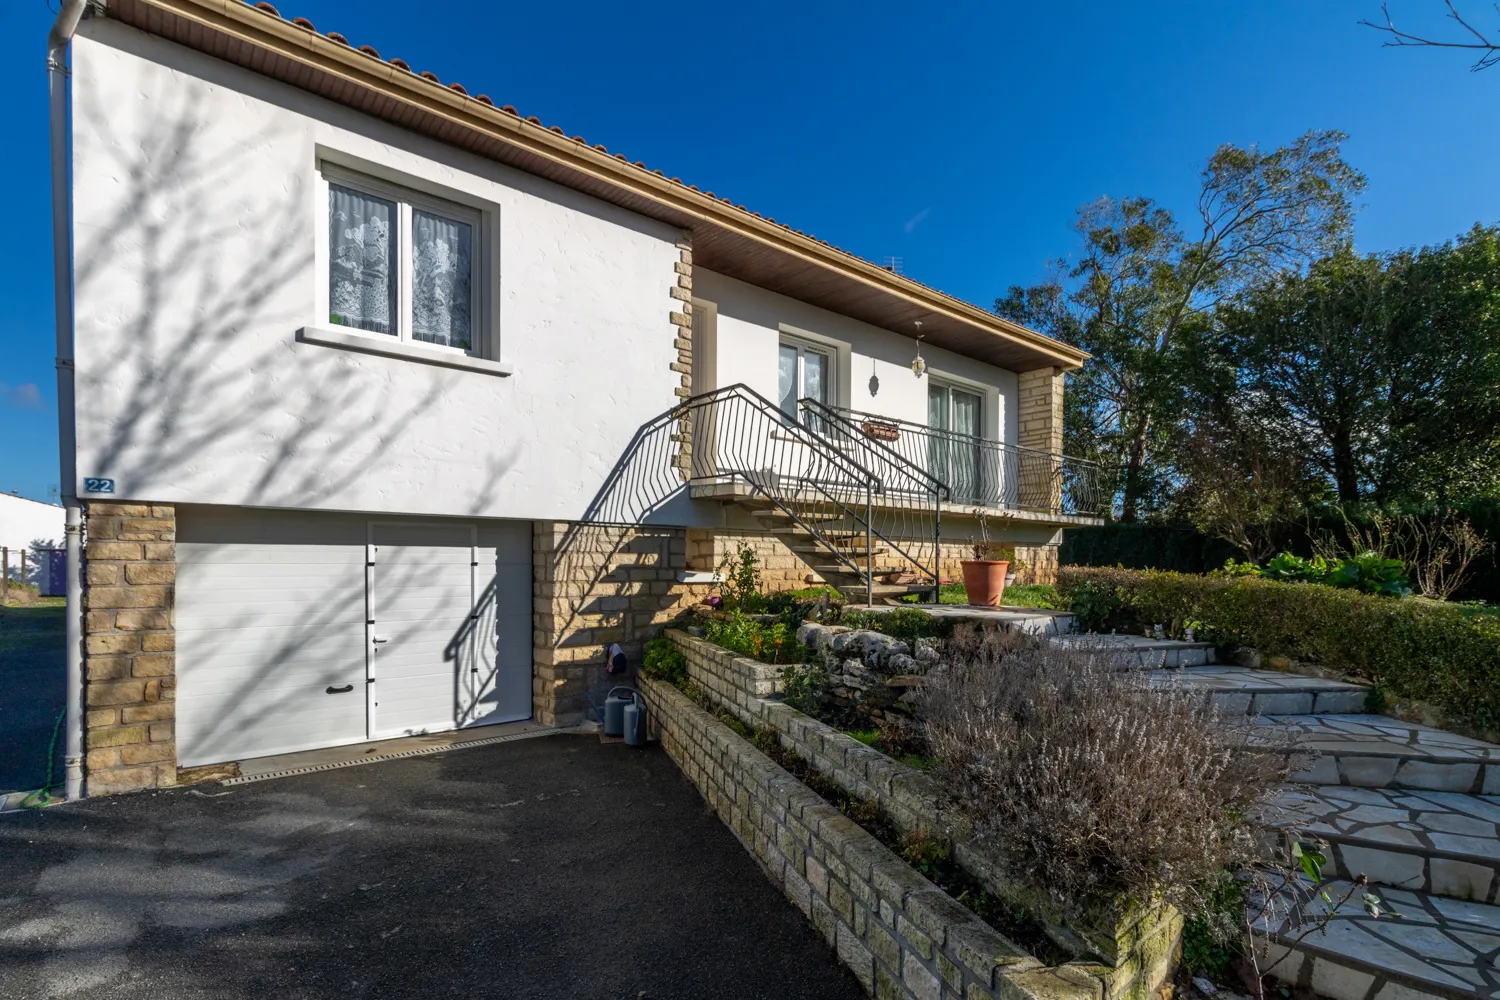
x=395, y=407
x=22, y=522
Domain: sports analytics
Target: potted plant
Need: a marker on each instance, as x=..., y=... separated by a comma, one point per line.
x=1017, y=567
x=984, y=575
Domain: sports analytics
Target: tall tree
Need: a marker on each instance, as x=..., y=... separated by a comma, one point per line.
x=1466, y=36
x=1381, y=372
x=1140, y=291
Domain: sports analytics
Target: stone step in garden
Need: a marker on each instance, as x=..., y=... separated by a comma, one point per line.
x=1243, y=691
x=1037, y=621
x=1140, y=653
x=1436, y=947
x=1376, y=751
x=1441, y=843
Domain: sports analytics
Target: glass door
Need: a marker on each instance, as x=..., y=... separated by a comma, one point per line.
x=954, y=443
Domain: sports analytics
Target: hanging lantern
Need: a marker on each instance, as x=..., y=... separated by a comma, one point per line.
x=874, y=379
x=918, y=366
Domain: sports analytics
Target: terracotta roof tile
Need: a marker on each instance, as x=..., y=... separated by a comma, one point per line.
x=508, y=109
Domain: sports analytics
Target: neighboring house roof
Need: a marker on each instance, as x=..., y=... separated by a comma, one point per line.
x=727, y=238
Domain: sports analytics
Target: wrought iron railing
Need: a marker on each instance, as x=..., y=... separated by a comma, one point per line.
x=984, y=473
x=737, y=439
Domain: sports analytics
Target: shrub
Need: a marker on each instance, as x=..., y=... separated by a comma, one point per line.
x=769, y=642
x=906, y=624
x=1433, y=651
x=1366, y=571
x=1092, y=786
x=665, y=662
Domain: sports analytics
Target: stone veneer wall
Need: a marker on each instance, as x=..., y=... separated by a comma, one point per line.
x=783, y=569
x=898, y=933
x=1040, y=402
x=1140, y=948
x=681, y=318
x=130, y=574
x=593, y=585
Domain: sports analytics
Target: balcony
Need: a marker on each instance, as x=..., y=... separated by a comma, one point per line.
x=976, y=472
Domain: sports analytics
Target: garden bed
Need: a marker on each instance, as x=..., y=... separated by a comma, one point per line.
x=1127, y=954
x=900, y=934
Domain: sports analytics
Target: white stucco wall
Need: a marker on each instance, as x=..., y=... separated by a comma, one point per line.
x=24, y=521
x=750, y=322
x=197, y=216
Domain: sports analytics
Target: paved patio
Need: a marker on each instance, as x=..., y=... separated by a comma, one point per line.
x=548, y=867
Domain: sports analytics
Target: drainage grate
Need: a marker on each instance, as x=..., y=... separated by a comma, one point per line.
x=375, y=758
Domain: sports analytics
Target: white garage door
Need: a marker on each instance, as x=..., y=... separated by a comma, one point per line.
x=278, y=614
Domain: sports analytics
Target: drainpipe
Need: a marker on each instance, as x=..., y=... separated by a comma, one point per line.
x=62, y=281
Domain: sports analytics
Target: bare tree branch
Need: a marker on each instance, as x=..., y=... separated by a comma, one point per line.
x=1481, y=42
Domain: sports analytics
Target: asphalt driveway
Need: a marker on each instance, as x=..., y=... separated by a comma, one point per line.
x=548, y=867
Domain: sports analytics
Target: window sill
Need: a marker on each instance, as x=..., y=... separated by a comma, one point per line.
x=327, y=336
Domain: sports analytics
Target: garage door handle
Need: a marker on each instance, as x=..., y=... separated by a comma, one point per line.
x=343, y=690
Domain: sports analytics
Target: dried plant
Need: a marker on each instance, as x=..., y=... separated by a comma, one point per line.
x=1438, y=550
x=1092, y=786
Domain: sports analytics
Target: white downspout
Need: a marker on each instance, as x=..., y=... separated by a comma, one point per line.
x=62, y=281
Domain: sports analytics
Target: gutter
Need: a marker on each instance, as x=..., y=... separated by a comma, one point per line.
x=62, y=280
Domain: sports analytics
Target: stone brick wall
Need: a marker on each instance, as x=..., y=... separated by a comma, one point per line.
x=1140, y=947
x=898, y=933
x=1040, y=402
x=1041, y=562
x=593, y=585
x=130, y=575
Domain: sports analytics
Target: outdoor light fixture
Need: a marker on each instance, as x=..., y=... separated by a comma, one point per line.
x=918, y=366
x=874, y=379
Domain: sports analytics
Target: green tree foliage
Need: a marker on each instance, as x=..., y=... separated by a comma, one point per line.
x=1140, y=292
x=1380, y=374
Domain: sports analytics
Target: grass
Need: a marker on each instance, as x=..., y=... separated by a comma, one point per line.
x=26, y=595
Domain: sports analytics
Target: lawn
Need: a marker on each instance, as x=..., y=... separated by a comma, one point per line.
x=1018, y=595
x=31, y=669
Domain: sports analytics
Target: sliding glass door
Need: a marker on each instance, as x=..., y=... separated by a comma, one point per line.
x=955, y=443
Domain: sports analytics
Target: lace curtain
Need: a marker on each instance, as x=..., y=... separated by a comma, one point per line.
x=361, y=282
x=441, y=294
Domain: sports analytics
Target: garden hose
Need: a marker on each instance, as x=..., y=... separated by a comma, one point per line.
x=43, y=796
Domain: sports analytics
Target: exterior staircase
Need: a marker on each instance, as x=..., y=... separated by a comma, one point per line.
x=1414, y=809
x=836, y=551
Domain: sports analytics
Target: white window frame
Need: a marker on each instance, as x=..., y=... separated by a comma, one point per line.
x=969, y=389
x=830, y=382
x=406, y=200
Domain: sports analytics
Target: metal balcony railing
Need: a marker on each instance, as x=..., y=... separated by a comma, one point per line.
x=972, y=470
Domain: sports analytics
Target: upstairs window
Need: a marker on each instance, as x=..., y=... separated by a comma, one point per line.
x=402, y=264
x=802, y=372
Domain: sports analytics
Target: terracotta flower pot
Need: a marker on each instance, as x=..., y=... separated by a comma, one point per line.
x=984, y=580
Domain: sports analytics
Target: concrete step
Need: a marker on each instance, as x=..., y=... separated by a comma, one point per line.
x=1440, y=843
x=1375, y=751
x=1243, y=691
x=1436, y=947
x=1140, y=653
x=1037, y=621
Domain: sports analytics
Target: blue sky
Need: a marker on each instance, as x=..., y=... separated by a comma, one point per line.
x=960, y=137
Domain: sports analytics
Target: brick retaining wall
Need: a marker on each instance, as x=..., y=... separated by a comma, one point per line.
x=901, y=935
x=1140, y=946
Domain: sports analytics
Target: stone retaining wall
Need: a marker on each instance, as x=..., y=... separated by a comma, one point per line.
x=1139, y=947
x=901, y=935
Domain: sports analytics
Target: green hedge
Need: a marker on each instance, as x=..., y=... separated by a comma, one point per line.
x=1444, y=654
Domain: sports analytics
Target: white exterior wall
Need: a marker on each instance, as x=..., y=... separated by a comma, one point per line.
x=24, y=521
x=750, y=322
x=197, y=216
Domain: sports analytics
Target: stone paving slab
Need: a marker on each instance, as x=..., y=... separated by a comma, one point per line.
x=1139, y=652
x=1243, y=691
x=1436, y=947
x=1039, y=621
x=1374, y=751
x=1443, y=843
